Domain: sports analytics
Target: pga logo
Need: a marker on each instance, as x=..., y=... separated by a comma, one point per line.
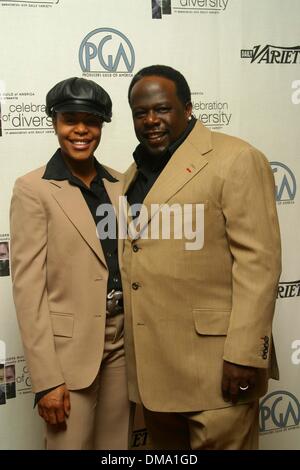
x=279, y=410
x=296, y=94
x=106, y=50
x=285, y=182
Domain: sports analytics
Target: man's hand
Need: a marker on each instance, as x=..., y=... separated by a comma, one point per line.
x=234, y=377
x=55, y=405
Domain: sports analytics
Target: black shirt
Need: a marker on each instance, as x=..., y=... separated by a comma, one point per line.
x=57, y=169
x=150, y=167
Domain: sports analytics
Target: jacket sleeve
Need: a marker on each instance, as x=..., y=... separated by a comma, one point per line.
x=254, y=240
x=28, y=220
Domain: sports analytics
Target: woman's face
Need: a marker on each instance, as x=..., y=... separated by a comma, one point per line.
x=78, y=134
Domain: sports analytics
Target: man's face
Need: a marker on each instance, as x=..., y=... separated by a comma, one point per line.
x=159, y=116
x=4, y=259
x=4, y=251
x=9, y=374
x=78, y=134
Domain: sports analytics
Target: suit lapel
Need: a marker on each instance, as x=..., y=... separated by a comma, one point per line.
x=114, y=191
x=130, y=176
x=185, y=163
x=75, y=208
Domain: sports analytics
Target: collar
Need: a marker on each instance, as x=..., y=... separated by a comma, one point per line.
x=56, y=169
x=144, y=161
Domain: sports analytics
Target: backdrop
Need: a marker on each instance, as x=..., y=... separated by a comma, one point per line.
x=241, y=59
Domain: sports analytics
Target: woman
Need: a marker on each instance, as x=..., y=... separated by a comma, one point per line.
x=66, y=282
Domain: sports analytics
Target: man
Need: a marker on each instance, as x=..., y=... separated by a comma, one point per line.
x=4, y=259
x=156, y=9
x=2, y=395
x=198, y=321
x=66, y=282
x=10, y=373
x=10, y=379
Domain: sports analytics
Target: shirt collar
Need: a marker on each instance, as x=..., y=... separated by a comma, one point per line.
x=147, y=162
x=56, y=169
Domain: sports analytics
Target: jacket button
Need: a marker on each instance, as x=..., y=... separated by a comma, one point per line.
x=135, y=285
x=135, y=248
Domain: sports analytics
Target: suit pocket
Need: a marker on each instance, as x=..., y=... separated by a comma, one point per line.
x=62, y=324
x=211, y=322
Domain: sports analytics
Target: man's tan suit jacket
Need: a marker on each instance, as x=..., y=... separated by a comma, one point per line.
x=187, y=310
x=59, y=280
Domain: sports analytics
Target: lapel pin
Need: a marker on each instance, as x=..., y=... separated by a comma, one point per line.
x=191, y=168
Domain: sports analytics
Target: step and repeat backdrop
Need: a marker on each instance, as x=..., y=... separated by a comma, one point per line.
x=242, y=61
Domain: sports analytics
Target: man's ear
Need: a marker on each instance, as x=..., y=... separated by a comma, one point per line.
x=188, y=110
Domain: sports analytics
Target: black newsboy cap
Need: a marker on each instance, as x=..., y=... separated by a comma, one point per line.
x=79, y=95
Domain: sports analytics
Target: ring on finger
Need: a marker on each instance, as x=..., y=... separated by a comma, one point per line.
x=243, y=389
